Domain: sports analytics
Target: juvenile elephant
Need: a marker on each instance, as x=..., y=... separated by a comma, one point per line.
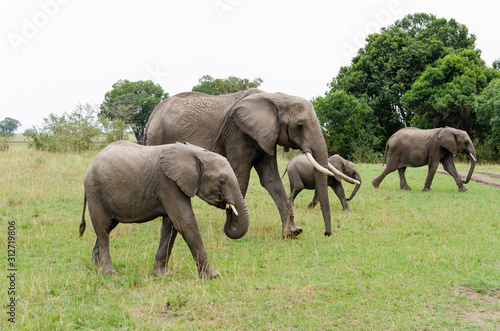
x=301, y=176
x=130, y=183
x=412, y=147
x=245, y=127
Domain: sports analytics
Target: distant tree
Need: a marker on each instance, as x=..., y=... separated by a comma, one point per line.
x=393, y=59
x=348, y=124
x=488, y=112
x=207, y=84
x=132, y=103
x=8, y=126
x=445, y=95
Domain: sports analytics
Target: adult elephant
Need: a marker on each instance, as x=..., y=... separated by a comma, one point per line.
x=301, y=176
x=412, y=147
x=245, y=127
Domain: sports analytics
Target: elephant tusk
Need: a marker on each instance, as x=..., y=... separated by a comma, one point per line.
x=233, y=208
x=317, y=165
x=344, y=177
x=472, y=156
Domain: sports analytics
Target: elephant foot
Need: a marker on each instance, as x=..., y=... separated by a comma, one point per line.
x=209, y=273
x=291, y=231
x=427, y=189
x=462, y=189
x=405, y=187
x=107, y=270
x=375, y=184
x=311, y=206
x=161, y=272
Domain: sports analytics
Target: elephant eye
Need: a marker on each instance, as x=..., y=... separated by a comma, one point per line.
x=222, y=182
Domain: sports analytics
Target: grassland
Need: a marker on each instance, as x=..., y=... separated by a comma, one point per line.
x=401, y=260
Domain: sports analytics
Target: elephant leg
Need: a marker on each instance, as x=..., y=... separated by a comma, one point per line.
x=388, y=169
x=339, y=191
x=314, y=201
x=100, y=254
x=192, y=236
x=430, y=175
x=167, y=239
x=267, y=169
x=449, y=166
x=402, y=179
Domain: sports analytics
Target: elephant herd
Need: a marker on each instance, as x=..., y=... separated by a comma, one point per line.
x=205, y=145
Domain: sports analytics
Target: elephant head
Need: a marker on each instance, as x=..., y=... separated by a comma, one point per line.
x=349, y=169
x=211, y=178
x=458, y=141
x=279, y=119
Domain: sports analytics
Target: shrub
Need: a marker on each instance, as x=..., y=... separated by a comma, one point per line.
x=68, y=132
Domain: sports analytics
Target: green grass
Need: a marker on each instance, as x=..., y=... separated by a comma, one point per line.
x=401, y=260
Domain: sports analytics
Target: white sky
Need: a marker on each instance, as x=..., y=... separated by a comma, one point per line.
x=55, y=54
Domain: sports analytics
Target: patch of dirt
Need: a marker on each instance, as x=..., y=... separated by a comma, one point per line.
x=480, y=179
x=479, y=311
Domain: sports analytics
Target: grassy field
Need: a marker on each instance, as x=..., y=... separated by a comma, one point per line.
x=401, y=260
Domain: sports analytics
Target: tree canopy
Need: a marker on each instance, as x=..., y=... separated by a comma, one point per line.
x=394, y=59
x=207, y=84
x=132, y=103
x=348, y=124
x=8, y=126
x=488, y=112
x=445, y=94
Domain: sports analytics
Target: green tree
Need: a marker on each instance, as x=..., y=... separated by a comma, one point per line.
x=488, y=112
x=393, y=59
x=445, y=95
x=132, y=103
x=8, y=126
x=207, y=84
x=73, y=131
x=348, y=124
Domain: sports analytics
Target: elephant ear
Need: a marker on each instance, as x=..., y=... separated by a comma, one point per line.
x=179, y=162
x=256, y=115
x=448, y=140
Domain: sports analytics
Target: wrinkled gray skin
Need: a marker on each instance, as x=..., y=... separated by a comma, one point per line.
x=245, y=127
x=130, y=183
x=412, y=147
x=301, y=176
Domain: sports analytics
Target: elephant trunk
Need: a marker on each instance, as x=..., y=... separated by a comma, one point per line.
x=356, y=188
x=472, y=166
x=237, y=223
x=321, y=185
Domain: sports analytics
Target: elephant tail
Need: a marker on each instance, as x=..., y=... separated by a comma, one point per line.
x=83, y=224
x=286, y=169
x=385, y=152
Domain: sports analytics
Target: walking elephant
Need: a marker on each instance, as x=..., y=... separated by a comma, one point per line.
x=130, y=183
x=301, y=176
x=412, y=147
x=245, y=127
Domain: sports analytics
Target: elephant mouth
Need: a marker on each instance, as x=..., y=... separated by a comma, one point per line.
x=220, y=204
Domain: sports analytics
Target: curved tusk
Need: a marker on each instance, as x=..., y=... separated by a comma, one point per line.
x=317, y=165
x=233, y=208
x=472, y=156
x=344, y=177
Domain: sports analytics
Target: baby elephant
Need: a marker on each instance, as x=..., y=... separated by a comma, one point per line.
x=130, y=183
x=301, y=176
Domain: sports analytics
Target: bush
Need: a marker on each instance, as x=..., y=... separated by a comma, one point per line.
x=4, y=142
x=68, y=132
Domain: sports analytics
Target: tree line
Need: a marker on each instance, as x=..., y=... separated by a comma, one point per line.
x=422, y=71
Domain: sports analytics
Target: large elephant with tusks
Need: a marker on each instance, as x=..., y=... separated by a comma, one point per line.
x=246, y=127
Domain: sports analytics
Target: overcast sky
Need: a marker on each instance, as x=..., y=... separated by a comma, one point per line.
x=56, y=54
